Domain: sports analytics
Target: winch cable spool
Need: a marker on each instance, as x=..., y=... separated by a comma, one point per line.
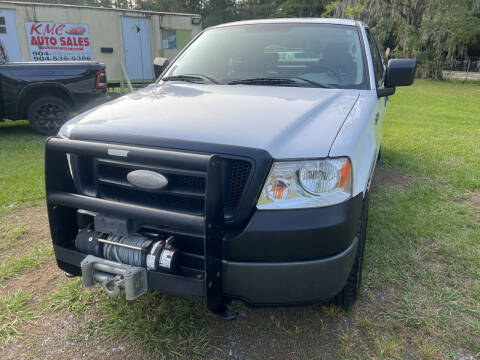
x=135, y=249
x=126, y=255
x=140, y=251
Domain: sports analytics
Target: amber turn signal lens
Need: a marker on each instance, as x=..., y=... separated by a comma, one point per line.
x=344, y=174
x=278, y=189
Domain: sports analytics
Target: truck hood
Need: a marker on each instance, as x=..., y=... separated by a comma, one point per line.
x=287, y=122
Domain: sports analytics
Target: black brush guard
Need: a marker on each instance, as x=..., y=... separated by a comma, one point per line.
x=63, y=201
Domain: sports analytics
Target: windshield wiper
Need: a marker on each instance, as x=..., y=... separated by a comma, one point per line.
x=190, y=78
x=326, y=86
x=289, y=81
x=263, y=81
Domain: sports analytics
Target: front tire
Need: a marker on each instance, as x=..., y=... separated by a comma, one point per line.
x=47, y=114
x=347, y=297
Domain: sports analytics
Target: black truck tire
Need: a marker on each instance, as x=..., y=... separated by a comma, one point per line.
x=47, y=114
x=347, y=297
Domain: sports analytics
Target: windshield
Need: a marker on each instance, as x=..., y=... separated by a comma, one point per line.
x=314, y=55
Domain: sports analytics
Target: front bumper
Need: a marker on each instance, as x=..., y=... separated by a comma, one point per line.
x=306, y=273
x=296, y=235
x=258, y=284
x=282, y=283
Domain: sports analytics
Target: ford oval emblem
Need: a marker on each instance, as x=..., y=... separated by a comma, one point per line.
x=146, y=179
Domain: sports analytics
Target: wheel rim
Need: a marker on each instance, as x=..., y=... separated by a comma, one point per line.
x=50, y=117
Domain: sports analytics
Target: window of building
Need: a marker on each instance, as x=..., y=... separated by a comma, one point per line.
x=176, y=39
x=3, y=25
x=169, y=39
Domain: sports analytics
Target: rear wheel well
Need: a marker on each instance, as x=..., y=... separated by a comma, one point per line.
x=42, y=91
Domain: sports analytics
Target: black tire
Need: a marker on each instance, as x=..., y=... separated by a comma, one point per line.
x=47, y=114
x=347, y=297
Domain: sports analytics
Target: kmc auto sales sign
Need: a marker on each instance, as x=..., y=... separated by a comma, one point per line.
x=49, y=41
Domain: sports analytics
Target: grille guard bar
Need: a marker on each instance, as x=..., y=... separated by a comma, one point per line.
x=63, y=199
x=191, y=223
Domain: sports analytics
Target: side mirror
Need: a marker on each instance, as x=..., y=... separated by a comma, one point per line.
x=159, y=64
x=400, y=72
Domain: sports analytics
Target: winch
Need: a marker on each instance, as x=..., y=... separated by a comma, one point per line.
x=135, y=249
x=120, y=261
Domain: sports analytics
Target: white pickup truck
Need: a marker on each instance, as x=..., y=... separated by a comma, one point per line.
x=243, y=173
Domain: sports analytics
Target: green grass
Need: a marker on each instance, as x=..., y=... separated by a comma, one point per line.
x=34, y=257
x=423, y=249
x=166, y=325
x=14, y=310
x=72, y=296
x=421, y=290
x=9, y=234
x=433, y=128
x=21, y=164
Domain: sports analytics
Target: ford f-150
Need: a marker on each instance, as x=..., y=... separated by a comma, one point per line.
x=243, y=173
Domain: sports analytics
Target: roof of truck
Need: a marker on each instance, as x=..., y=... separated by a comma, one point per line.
x=294, y=20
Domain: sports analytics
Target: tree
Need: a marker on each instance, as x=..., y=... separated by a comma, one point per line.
x=434, y=31
x=302, y=8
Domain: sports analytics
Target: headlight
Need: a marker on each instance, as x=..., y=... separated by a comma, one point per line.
x=305, y=184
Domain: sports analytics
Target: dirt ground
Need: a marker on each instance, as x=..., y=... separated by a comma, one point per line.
x=393, y=177
x=474, y=201
x=267, y=333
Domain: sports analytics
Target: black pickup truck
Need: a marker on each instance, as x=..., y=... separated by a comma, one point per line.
x=48, y=93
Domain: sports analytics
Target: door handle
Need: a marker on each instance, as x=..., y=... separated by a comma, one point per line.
x=376, y=118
